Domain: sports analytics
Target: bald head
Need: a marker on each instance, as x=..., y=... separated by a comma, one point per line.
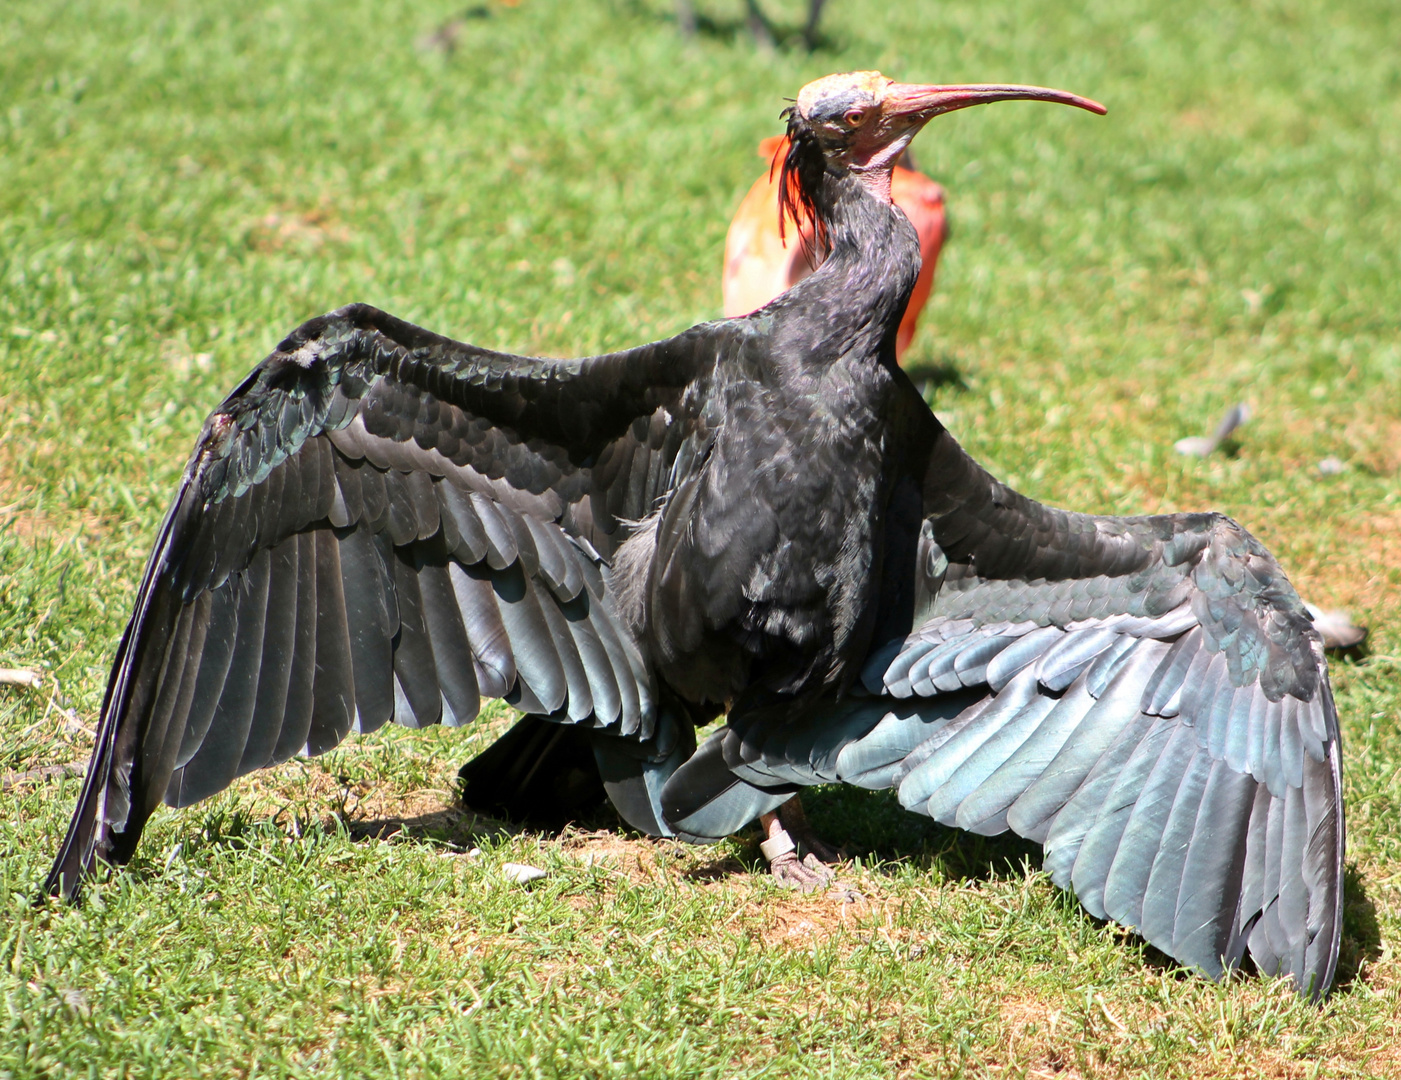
x=863, y=120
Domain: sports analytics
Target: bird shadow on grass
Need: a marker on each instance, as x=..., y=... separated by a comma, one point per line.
x=869, y=824
x=453, y=827
x=1360, y=947
x=457, y=826
x=873, y=825
x=1362, y=933
x=237, y=829
x=738, y=30
x=932, y=375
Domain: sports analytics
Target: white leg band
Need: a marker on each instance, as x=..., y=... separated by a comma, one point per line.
x=780, y=843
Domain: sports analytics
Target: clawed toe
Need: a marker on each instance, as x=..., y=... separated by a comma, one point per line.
x=806, y=874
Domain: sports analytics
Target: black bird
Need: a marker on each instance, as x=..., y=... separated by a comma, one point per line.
x=762, y=517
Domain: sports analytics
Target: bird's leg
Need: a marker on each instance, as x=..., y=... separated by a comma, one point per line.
x=759, y=27
x=805, y=874
x=794, y=819
x=796, y=857
x=686, y=18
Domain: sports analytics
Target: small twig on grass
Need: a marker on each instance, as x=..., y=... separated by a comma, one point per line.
x=72, y=726
x=1104, y=1008
x=47, y=772
x=21, y=677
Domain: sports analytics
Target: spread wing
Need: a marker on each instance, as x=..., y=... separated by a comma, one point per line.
x=1144, y=696
x=384, y=524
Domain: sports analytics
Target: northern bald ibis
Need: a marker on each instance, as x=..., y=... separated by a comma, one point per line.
x=759, y=516
x=765, y=255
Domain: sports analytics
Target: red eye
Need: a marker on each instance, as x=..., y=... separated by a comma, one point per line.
x=854, y=117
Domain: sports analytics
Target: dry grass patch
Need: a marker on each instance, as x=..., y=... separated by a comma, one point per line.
x=302, y=233
x=796, y=921
x=1032, y=1040
x=17, y=512
x=1375, y=441
x=637, y=860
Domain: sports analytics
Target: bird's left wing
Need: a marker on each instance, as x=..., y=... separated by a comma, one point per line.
x=1144, y=696
x=381, y=523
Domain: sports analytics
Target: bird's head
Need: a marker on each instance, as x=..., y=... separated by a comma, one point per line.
x=861, y=122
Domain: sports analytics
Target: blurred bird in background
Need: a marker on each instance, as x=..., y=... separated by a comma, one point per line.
x=759, y=25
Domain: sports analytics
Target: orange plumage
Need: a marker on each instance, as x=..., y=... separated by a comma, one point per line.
x=760, y=264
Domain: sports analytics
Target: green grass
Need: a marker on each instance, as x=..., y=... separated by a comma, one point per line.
x=181, y=183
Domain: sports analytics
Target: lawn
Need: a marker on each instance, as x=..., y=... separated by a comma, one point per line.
x=181, y=183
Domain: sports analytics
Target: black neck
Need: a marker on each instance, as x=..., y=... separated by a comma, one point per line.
x=863, y=284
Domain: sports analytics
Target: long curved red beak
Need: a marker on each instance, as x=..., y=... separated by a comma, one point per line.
x=923, y=103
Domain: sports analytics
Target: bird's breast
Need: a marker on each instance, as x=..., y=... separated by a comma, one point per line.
x=764, y=557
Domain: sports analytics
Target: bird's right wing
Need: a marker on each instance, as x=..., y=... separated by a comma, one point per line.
x=381, y=523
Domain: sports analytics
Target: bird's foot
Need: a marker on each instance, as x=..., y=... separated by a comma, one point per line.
x=794, y=868
x=805, y=875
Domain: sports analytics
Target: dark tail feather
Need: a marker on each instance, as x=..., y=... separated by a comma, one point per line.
x=634, y=773
x=704, y=801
